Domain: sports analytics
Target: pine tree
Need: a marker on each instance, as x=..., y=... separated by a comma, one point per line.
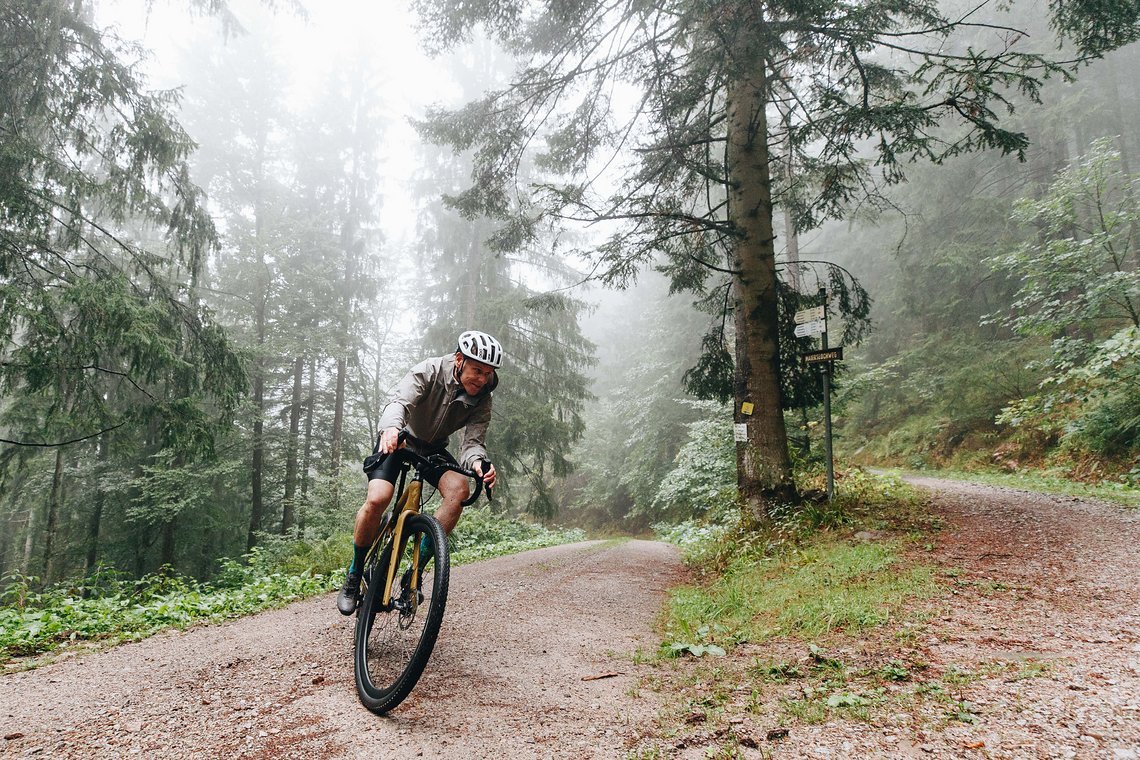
x=716, y=90
x=104, y=239
x=480, y=279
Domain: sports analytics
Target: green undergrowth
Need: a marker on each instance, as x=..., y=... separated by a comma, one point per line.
x=482, y=534
x=822, y=586
x=109, y=608
x=809, y=571
x=809, y=617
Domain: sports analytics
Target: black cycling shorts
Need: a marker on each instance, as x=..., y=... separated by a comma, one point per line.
x=389, y=469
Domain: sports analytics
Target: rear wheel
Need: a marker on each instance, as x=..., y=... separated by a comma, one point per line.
x=395, y=640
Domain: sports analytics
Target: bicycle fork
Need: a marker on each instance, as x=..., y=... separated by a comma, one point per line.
x=408, y=504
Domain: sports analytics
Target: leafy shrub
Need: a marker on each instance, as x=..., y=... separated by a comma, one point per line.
x=121, y=610
x=482, y=534
x=704, y=472
x=1090, y=400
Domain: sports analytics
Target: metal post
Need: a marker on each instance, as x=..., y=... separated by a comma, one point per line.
x=827, y=406
x=827, y=429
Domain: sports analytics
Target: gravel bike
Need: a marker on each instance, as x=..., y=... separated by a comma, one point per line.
x=403, y=586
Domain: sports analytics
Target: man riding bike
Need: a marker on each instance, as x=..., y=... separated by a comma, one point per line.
x=437, y=397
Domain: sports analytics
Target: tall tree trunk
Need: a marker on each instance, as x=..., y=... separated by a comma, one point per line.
x=29, y=540
x=763, y=465
x=353, y=244
x=471, y=289
x=257, y=505
x=310, y=405
x=94, y=524
x=51, y=528
x=338, y=415
x=261, y=306
x=1122, y=131
x=791, y=237
x=288, y=510
x=15, y=556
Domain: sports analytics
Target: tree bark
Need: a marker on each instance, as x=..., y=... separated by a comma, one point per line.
x=29, y=540
x=261, y=306
x=288, y=511
x=94, y=524
x=338, y=415
x=791, y=237
x=257, y=505
x=310, y=405
x=764, y=468
x=51, y=527
x=166, y=549
x=471, y=290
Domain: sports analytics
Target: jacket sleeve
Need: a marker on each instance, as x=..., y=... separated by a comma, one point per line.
x=409, y=392
x=475, y=434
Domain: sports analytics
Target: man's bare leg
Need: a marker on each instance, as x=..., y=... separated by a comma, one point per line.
x=363, y=534
x=368, y=516
x=453, y=489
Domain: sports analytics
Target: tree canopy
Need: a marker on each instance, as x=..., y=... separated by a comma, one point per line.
x=103, y=240
x=680, y=127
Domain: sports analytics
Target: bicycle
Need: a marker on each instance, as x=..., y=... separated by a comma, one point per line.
x=400, y=612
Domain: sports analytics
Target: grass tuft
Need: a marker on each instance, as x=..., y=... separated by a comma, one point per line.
x=823, y=586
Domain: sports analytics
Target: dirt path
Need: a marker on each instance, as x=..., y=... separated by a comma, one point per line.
x=1036, y=641
x=1033, y=651
x=506, y=679
x=1050, y=584
x=1030, y=650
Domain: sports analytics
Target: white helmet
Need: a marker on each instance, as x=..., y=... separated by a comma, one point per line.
x=481, y=347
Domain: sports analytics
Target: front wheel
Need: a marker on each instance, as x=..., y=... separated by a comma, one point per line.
x=395, y=640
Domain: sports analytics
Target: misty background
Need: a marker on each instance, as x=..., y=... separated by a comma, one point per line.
x=217, y=370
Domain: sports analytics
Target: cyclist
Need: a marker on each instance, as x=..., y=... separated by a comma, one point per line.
x=437, y=397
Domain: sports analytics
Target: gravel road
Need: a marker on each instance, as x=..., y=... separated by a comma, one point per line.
x=1036, y=635
x=510, y=676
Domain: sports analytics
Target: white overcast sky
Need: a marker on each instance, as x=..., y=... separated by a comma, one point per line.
x=314, y=47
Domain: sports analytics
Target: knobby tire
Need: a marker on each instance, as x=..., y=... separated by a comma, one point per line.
x=393, y=644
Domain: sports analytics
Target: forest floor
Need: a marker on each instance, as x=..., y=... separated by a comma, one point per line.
x=1030, y=648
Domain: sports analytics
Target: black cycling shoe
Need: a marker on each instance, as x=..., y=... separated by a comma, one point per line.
x=349, y=596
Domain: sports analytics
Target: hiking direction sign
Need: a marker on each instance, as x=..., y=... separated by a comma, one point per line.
x=811, y=329
x=814, y=314
x=823, y=355
x=811, y=322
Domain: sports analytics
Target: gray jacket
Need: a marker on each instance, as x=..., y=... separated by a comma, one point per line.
x=432, y=404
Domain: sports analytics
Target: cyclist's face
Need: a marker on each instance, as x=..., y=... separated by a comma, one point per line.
x=473, y=375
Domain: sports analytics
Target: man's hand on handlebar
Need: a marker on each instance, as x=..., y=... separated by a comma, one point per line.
x=389, y=440
x=487, y=471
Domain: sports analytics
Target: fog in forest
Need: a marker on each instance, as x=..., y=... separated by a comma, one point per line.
x=265, y=216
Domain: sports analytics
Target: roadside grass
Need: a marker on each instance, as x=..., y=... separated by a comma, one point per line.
x=825, y=585
x=811, y=571
x=814, y=618
x=108, y=608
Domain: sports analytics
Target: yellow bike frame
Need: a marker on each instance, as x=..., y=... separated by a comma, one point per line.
x=408, y=504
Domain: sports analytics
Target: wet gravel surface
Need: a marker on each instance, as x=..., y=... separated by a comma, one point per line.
x=515, y=674
x=1031, y=649
x=1035, y=637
